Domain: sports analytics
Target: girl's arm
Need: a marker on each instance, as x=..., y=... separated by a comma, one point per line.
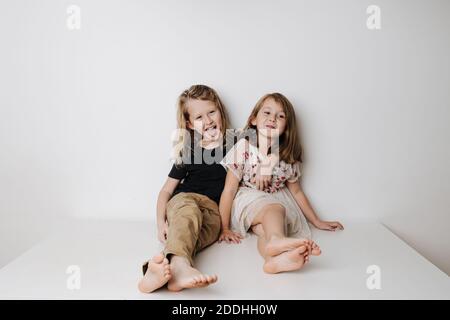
x=226, y=201
x=308, y=211
x=164, y=196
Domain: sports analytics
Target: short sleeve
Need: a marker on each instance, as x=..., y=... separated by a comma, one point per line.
x=234, y=160
x=295, y=175
x=178, y=172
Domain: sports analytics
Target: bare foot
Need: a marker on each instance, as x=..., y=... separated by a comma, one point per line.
x=186, y=277
x=157, y=274
x=275, y=246
x=315, y=249
x=286, y=261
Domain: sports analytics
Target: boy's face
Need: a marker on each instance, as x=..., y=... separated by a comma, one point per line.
x=205, y=118
x=270, y=119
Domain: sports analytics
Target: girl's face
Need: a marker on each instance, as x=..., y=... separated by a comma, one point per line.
x=205, y=118
x=270, y=119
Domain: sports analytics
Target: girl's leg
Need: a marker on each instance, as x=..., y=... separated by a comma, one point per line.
x=279, y=252
x=259, y=231
x=286, y=261
x=271, y=218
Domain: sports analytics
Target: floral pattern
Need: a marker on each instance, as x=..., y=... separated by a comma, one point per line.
x=244, y=161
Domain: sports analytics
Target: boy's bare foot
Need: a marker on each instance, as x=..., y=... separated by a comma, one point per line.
x=276, y=246
x=185, y=277
x=157, y=274
x=287, y=261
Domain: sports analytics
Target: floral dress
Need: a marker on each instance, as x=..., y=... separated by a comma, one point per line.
x=243, y=160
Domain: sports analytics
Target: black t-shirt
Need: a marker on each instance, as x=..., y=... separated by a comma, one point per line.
x=201, y=173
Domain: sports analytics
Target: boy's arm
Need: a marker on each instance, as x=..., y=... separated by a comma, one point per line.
x=226, y=201
x=163, y=197
x=308, y=211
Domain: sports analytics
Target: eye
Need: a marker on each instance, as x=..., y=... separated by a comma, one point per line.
x=281, y=116
x=198, y=118
x=266, y=112
x=212, y=112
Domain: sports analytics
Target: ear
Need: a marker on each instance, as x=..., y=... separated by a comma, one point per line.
x=189, y=125
x=253, y=122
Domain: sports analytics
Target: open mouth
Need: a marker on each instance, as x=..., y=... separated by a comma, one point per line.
x=269, y=126
x=211, y=131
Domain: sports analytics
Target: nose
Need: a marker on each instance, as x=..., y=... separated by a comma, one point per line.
x=208, y=120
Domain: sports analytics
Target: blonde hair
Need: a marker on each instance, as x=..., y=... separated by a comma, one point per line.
x=290, y=149
x=195, y=92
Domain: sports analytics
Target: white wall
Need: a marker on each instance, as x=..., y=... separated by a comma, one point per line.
x=86, y=116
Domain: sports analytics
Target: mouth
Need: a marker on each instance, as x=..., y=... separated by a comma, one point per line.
x=270, y=126
x=211, y=131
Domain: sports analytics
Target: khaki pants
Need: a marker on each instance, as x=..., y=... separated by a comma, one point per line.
x=194, y=224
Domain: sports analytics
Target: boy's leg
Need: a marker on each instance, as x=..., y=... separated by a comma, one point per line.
x=185, y=219
x=210, y=230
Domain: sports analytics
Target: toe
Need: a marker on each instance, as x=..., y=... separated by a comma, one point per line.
x=302, y=249
x=158, y=258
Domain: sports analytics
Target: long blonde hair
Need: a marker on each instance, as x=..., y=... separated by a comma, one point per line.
x=195, y=92
x=290, y=149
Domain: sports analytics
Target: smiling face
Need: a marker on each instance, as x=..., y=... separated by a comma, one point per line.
x=205, y=118
x=270, y=120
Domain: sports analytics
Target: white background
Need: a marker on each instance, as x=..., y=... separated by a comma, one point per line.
x=86, y=115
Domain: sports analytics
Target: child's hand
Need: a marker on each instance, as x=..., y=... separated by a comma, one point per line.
x=230, y=237
x=263, y=177
x=262, y=181
x=163, y=228
x=329, y=225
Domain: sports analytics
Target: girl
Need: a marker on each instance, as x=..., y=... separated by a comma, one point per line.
x=187, y=212
x=277, y=211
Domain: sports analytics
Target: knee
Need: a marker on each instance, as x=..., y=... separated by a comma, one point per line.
x=275, y=210
x=185, y=214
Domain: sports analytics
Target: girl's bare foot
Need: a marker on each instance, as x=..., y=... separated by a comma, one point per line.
x=287, y=261
x=185, y=277
x=276, y=246
x=315, y=249
x=157, y=274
